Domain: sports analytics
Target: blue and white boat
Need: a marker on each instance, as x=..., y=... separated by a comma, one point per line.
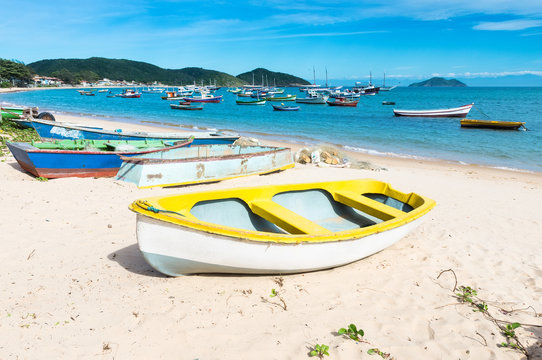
x=53, y=130
x=83, y=158
x=200, y=164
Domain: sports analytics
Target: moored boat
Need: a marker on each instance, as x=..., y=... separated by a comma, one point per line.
x=460, y=111
x=203, y=98
x=342, y=101
x=82, y=158
x=281, y=98
x=312, y=98
x=54, y=130
x=250, y=102
x=283, y=107
x=202, y=163
x=274, y=229
x=185, y=106
x=129, y=94
x=492, y=124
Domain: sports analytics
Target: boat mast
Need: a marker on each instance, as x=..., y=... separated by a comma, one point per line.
x=326, y=76
x=313, y=76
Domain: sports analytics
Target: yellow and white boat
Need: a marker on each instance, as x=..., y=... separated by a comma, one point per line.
x=274, y=229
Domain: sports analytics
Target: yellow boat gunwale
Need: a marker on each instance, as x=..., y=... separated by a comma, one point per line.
x=183, y=203
x=475, y=122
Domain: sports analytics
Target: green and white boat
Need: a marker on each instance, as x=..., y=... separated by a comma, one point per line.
x=18, y=112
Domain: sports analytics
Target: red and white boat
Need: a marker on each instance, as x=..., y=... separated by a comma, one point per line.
x=461, y=111
x=342, y=101
x=129, y=93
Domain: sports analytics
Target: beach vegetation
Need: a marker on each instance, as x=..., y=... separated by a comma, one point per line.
x=10, y=131
x=320, y=350
x=469, y=296
x=352, y=332
x=376, y=351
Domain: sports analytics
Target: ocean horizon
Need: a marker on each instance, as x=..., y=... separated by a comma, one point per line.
x=368, y=128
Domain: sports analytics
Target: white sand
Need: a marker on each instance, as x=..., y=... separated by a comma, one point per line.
x=73, y=283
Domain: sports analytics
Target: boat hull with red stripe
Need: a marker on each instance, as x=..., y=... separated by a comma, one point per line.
x=53, y=163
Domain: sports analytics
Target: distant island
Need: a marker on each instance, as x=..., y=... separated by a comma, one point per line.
x=96, y=68
x=438, y=82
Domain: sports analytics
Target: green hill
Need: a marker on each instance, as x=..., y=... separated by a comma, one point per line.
x=96, y=68
x=271, y=78
x=438, y=82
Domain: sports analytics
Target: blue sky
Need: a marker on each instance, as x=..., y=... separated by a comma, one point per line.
x=405, y=39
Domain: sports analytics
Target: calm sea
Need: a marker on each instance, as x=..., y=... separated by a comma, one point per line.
x=370, y=127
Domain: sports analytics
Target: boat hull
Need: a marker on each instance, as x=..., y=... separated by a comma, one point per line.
x=52, y=164
x=274, y=229
x=178, y=251
x=185, y=107
x=492, y=124
x=461, y=111
x=315, y=100
x=343, y=103
x=281, y=98
x=285, y=108
x=16, y=112
x=257, y=102
x=200, y=164
x=52, y=130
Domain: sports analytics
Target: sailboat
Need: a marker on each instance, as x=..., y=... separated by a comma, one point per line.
x=384, y=88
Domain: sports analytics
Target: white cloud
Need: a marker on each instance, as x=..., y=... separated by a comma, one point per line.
x=510, y=25
x=490, y=74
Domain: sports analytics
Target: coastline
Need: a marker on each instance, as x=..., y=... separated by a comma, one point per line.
x=269, y=139
x=75, y=285
x=296, y=141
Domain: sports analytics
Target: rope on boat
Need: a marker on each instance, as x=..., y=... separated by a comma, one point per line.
x=146, y=206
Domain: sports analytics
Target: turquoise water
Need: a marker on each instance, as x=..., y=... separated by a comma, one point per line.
x=370, y=127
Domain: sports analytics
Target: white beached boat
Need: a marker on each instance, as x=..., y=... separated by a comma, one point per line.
x=206, y=163
x=274, y=229
x=461, y=111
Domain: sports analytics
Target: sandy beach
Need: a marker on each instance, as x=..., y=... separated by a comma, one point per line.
x=74, y=285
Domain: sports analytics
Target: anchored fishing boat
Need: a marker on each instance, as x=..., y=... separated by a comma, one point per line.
x=283, y=107
x=460, y=111
x=129, y=94
x=250, y=102
x=312, y=98
x=492, y=124
x=203, y=98
x=83, y=158
x=53, y=130
x=342, y=101
x=274, y=229
x=185, y=106
x=281, y=98
x=202, y=163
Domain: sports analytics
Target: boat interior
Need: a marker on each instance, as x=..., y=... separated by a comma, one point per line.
x=296, y=212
